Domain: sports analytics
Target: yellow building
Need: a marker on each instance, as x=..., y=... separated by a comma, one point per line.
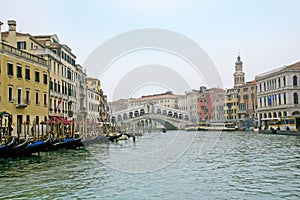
x=23, y=83
x=231, y=104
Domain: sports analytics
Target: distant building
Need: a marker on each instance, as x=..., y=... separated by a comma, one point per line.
x=204, y=104
x=239, y=75
x=247, y=104
x=189, y=103
x=167, y=99
x=217, y=103
x=278, y=92
x=96, y=101
x=231, y=104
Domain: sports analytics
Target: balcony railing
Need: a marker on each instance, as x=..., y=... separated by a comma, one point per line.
x=21, y=103
x=46, y=52
x=23, y=54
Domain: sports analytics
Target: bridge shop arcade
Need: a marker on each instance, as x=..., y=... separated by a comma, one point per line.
x=149, y=116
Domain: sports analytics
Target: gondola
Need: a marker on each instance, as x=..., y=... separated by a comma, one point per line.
x=35, y=147
x=5, y=148
x=68, y=143
x=16, y=150
x=95, y=140
x=114, y=138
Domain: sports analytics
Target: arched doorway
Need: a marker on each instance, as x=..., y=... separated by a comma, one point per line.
x=119, y=118
x=165, y=112
x=130, y=114
x=136, y=113
x=175, y=115
x=186, y=118
x=158, y=112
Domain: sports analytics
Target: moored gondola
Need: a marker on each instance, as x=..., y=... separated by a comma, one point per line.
x=6, y=147
x=95, y=140
x=35, y=147
x=68, y=143
x=16, y=149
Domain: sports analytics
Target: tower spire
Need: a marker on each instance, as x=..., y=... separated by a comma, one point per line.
x=239, y=75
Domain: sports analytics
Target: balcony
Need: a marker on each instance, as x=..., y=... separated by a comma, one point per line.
x=70, y=113
x=40, y=52
x=23, y=54
x=21, y=103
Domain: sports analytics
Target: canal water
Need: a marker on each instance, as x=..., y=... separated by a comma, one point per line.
x=172, y=165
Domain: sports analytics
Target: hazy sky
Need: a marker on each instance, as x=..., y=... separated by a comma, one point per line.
x=266, y=33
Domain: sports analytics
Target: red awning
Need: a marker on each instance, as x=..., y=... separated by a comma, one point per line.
x=57, y=119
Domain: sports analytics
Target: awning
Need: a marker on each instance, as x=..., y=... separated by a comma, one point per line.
x=56, y=119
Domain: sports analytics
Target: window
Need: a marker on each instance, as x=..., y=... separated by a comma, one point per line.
x=19, y=71
x=295, y=81
x=295, y=98
x=284, y=83
x=19, y=97
x=27, y=96
x=58, y=87
x=37, y=76
x=45, y=99
x=55, y=86
x=27, y=73
x=21, y=45
x=10, y=93
x=51, y=84
x=279, y=83
x=37, y=98
x=45, y=79
x=10, y=70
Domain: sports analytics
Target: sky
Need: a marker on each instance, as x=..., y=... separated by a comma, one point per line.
x=266, y=33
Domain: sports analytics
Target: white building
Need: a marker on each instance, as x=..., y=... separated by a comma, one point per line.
x=278, y=92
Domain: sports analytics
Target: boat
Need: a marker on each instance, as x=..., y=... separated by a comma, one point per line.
x=37, y=146
x=5, y=147
x=95, y=140
x=16, y=149
x=217, y=126
x=113, y=137
x=281, y=126
x=67, y=143
x=191, y=127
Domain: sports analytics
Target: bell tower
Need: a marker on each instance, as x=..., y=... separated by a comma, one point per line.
x=239, y=75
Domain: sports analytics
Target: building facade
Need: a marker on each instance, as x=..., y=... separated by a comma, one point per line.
x=278, y=92
x=24, y=81
x=231, y=104
x=204, y=104
x=247, y=104
x=217, y=101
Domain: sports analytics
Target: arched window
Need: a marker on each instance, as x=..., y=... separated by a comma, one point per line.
x=295, y=81
x=295, y=98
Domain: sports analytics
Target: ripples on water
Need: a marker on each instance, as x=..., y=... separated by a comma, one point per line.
x=232, y=165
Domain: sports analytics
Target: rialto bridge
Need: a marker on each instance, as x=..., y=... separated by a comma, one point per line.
x=148, y=115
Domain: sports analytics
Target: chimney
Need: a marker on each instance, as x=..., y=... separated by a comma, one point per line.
x=12, y=25
x=0, y=31
x=12, y=37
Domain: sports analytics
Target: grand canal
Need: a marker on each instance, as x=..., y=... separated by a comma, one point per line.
x=172, y=165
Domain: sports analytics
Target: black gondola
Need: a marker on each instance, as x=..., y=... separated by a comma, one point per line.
x=95, y=140
x=4, y=149
x=113, y=138
x=68, y=143
x=16, y=149
x=35, y=147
